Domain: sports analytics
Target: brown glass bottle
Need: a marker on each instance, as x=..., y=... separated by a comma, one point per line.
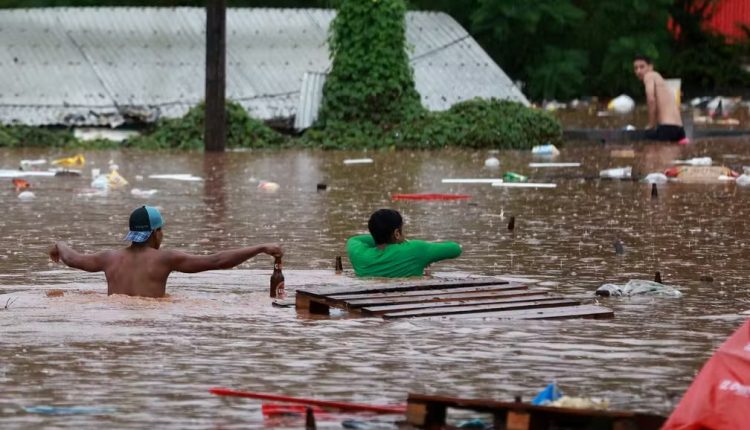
x=277, y=280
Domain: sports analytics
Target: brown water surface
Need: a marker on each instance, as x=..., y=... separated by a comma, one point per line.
x=152, y=361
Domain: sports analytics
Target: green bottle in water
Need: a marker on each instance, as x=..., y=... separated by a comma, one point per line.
x=514, y=177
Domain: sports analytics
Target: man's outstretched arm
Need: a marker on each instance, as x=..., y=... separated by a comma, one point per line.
x=60, y=251
x=189, y=263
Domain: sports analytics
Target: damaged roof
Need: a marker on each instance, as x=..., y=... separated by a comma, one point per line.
x=109, y=66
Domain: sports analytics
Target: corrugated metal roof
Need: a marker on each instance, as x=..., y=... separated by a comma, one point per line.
x=97, y=66
x=310, y=98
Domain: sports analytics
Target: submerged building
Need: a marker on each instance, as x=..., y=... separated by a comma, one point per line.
x=111, y=66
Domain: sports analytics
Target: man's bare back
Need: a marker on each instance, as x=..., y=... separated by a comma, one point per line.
x=150, y=280
x=142, y=268
x=667, y=112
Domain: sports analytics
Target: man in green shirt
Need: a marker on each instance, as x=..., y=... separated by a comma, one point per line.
x=386, y=253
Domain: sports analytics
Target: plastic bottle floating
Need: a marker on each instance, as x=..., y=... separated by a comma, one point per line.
x=617, y=173
x=74, y=161
x=698, y=161
x=514, y=177
x=268, y=186
x=548, y=149
x=31, y=164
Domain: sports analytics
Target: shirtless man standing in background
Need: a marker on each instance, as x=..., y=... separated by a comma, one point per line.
x=664, y=121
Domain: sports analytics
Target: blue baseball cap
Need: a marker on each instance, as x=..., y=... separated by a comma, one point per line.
x=143, y=222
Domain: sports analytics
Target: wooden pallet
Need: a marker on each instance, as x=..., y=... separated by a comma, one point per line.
x=485, y=298
x=429, y=412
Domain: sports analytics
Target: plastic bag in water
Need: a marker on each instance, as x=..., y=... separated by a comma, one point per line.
x=638, y=287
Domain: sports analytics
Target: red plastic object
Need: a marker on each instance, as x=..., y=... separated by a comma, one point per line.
x=430, y=196
x=719, y=396
x=342, y=406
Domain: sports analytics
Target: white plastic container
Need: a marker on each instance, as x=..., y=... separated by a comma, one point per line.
x=617, y=173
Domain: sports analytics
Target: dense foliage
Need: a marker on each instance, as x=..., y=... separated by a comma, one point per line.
x=472, y=124
x=187, y=132
x=31, y=137
x=370, y=78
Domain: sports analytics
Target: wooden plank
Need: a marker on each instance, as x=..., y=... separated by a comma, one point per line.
x=510, y=296
x=493, y=406
x=375, y=301
x=414, y=285
x=517, y=420
x=310, y=304
x=581, y=311
x=414, y=293
x=471, y=308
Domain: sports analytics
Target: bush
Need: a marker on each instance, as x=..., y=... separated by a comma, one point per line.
x=40, y=137
x=187, y=132
x=475, y=123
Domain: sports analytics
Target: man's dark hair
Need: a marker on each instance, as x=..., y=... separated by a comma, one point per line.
x=643, y=57
x=382, y=224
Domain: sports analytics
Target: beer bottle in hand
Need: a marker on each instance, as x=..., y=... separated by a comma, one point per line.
x=277, y=280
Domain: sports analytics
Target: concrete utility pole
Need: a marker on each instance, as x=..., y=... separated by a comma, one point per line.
x=215, y=134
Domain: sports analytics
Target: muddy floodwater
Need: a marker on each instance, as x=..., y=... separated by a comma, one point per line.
x=145, y=363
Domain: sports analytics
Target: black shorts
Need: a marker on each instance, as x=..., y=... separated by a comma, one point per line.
x=666, y=133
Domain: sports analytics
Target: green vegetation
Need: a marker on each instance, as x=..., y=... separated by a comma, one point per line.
x=370, y=79
x=369, y=99
x=31, y=137
x=471, y=124
x=187, y=132
x=179, y=133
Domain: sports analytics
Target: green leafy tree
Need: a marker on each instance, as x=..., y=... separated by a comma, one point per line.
x=371, y=78
x=531, y=40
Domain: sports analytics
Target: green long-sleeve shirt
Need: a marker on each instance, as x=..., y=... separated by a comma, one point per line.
x=398, y=259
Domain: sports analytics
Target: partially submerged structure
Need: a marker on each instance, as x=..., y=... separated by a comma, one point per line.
x=110, y=66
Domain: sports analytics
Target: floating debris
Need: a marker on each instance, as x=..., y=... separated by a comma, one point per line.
x=539, y=165
x=177, y=177
x=492, y=162
x=548, y=149
x=268, y=186
x=471, y=180
x=358, y=161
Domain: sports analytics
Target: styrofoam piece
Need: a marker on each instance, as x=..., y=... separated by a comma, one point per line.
x=26, y=195
x=471, y=180
x=358, y=161
x=537, y=165
x=177, y=177
x=524, y=185
x=11, y=173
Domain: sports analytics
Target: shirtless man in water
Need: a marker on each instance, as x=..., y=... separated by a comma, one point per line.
x=664, y=121
x=142, y=268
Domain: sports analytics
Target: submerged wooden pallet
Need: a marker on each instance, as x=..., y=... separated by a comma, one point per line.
x=429, y=412
x=486, y=298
